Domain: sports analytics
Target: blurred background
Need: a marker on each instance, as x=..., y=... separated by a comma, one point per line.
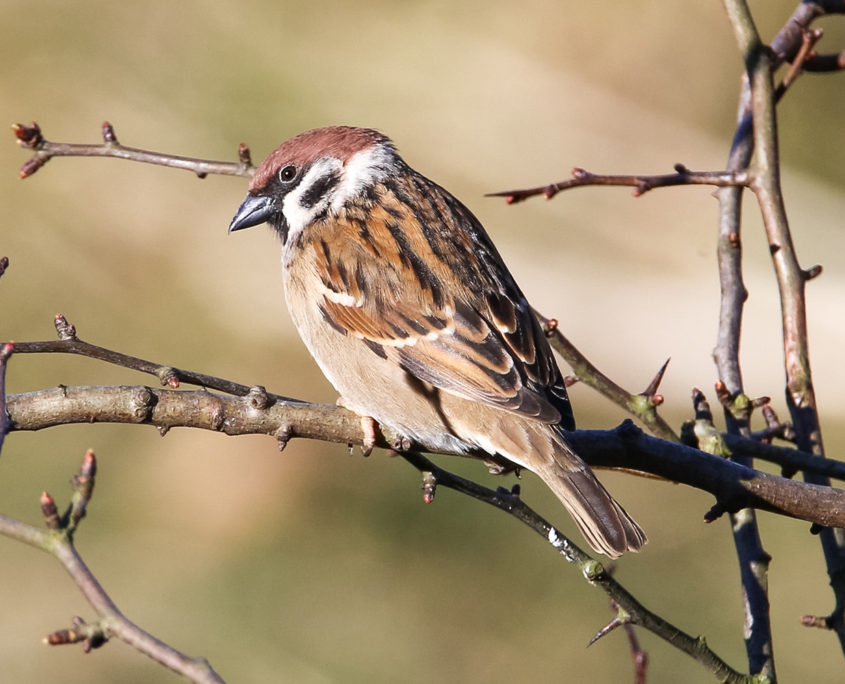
x=311, y=565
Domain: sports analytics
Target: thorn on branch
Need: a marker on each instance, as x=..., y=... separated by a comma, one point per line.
x=66, y=330
x=650, y=392
x=429, y=486
x=607, y=629
x=812, y=272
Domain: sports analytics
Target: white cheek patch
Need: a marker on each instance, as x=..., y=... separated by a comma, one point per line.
x=362, y=169
x=296, y=214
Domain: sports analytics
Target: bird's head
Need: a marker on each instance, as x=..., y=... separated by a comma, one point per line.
x=314, y=174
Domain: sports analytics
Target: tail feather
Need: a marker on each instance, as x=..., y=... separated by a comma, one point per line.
x=603, y=522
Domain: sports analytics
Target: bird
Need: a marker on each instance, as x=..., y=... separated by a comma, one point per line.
x=412, y=315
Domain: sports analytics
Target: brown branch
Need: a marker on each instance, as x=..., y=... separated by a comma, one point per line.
x=809, y=38
x=169, y=376
x=5, y=352
x=625, y=447
x=57, y=540
x=30, y=137
x=641, y=183
x=642, y=406
x=593, y=571
x=760, y=62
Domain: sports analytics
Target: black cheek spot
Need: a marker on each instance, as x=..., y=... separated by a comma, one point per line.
x=318, y=189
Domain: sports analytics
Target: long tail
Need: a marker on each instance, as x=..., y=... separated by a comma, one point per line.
x=603, y=522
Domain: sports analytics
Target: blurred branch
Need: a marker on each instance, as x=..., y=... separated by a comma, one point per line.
x=57, y=540
x=5, y=424
x=627, y=447
x=31, y=138
x=791, y=278
x=69, y=343
x=630, y=610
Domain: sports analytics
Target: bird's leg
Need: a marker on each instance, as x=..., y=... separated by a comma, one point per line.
x=368, y=427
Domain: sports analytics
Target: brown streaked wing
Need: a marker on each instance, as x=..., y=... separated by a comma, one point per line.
x=432, y=332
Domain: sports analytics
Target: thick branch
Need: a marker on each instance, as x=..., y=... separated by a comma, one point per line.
x=733, y=485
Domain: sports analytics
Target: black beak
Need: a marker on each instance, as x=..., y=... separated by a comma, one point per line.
x=252, y=212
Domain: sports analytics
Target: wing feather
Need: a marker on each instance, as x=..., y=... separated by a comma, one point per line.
x=476, y=338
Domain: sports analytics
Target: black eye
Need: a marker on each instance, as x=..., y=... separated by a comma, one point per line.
x=288, y=173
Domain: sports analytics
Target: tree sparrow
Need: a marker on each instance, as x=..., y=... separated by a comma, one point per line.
x=410, y=312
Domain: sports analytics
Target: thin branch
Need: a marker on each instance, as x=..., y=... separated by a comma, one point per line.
x=641, y=183
x=790, y=460
x=169, y=376
x=809, y=39
x=30, y=137
x=593, y=571
x=642, y=406
x=5, y=424
x=58, y=541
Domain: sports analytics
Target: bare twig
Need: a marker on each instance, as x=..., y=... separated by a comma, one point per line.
x=635, y=613
x=5, y=352
x=642, y=406
x=58, y=541
x=30, y=137
x=169, y=376
x=641, y=183
x=809, y=38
